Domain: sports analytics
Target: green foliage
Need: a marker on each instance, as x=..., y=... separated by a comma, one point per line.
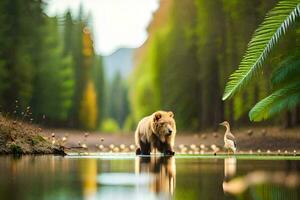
x=129, y=124
x=15, y=149
x=3, y=85
x=19, y=37
x=287, y=72
x=54, y=82
x=276, y=23
x=46, y=64
x=183, y=65
x=286, y=95
x=285, y=79
x=117, y=102
x=109, y=125
x=285, y=98
x=98, y=78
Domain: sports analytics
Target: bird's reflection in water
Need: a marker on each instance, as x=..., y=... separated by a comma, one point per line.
x=283, y=182
x=229, y=167
x=163, y=171
x=229, y=171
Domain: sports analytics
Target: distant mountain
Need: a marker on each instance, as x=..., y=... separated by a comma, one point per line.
x=119, y=61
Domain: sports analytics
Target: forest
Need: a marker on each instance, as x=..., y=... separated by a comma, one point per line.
x=193, y=47
x=50, y=73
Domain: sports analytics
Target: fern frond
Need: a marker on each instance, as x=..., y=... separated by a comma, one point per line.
x=276, y=23
x=287, y=72
x=285, y=98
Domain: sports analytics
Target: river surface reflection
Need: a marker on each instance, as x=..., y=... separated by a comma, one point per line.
x=119, y=177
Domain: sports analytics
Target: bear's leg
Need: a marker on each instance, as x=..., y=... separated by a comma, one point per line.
x=138, y=151
x=169, y=153
x=145, y=148
x=168, y=150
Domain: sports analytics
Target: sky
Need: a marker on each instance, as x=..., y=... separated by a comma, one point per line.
x=115, y=23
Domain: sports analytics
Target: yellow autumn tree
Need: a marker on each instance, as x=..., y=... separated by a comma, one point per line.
x=88, y=107
x=87, y=42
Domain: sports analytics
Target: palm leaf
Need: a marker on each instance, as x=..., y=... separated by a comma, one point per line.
x=285, y=98
x=287, y=72
x=276, y=23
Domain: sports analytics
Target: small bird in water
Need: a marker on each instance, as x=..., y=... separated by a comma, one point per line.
x=229, y=139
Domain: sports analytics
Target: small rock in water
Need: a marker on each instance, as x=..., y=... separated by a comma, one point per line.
x=181, y=146
x=192, y=146
x=53, y=135
x=250, y=132
x=111, y=146
x=84, y=146
x=286, y=152
x=215, y=134
x=251, y=152
x=132, y=147
x=295, y=152
x=202, y=146
x=203, y=136
x=122, y=146
x=213, y=146
x=64, y=139
x=102, y=139
x=216, y=150
x=264, y=132
x=101, y=146
x=184, y=150
x=258, y=151
x=86, y=135
x=116, y=149
x=278, y=151
x=268, y=151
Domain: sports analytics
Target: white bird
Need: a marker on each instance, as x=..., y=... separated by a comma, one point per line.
x=229, y=139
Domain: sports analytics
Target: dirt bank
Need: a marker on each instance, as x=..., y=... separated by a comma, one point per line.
x=21, y=138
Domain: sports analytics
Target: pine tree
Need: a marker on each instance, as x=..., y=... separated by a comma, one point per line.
x=98, y=78
x=54, y=84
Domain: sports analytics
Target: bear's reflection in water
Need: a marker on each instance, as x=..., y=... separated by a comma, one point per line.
x=163, y=171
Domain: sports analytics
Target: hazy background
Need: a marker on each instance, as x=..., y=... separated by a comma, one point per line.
x=104, y=64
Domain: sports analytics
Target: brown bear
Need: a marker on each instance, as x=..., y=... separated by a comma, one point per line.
x=156, y=132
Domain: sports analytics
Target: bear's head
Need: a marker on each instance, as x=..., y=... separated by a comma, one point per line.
x=163, y=125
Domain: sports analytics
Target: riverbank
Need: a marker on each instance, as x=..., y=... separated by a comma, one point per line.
x=17, y=137
x=249, y=139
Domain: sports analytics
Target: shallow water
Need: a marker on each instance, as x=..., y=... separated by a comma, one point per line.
x=130, y=177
